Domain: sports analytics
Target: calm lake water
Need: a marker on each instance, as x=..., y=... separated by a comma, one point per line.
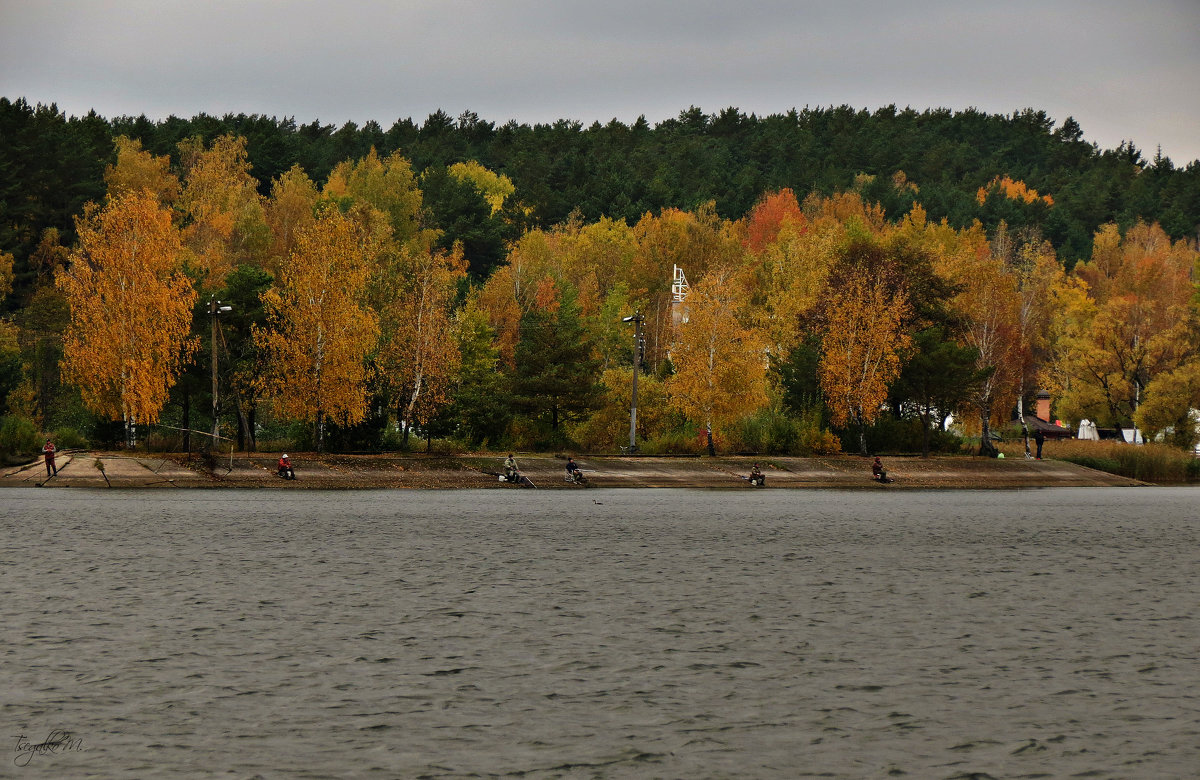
x=600, y=633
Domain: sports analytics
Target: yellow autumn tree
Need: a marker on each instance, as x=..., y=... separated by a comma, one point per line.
x=50, y=256
x=862, y=344
x=605, y=249
x=594, y=259
x=131, y=309
x=498, y=302
x=796, y=266
x=418, y=356
x=386, y=184
x=988, y=306
x=137, y=170
x=512, y=289
x=720, y=363
x=319, y=330
x=9, y=348
x=999, y=309
x=843, y=207
x=696, y=241
x=223, y=221
x=1036, y=272
x=1138, y=321
x=290, y=209
x=495, y=187
x=1167, y=408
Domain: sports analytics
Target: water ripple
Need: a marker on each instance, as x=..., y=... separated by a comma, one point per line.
x=660, y=633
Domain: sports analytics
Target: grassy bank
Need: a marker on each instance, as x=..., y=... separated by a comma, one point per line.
x=1157, y=463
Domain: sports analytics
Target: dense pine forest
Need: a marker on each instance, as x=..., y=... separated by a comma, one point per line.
x=518, y=249
x=51, y=164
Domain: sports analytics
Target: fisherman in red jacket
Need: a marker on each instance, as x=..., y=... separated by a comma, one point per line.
x=51, y=469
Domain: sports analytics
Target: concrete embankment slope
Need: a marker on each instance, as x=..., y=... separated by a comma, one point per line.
x=256, y=470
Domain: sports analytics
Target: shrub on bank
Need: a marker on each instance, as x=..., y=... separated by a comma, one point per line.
x=685, y=441
x=771, y=432
x=19, y=439
x=768, y=431
x=70, y=439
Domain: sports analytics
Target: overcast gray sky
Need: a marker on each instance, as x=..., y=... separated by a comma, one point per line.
x=1125, y=70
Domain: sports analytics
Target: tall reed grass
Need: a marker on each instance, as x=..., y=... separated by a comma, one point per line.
x=1158, y=463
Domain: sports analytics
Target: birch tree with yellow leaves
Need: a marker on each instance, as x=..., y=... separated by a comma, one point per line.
x=1137, y=322
x=1036, y=271
x=137, y=170
x=131, y=309
x=290, y=209
x=990, y=305
x=223, y=221
x=495, y=187
x=862, y=344
x=319, y=330
x=720, y=363
x=387, y=185
x=696, y=241
x=418, y=356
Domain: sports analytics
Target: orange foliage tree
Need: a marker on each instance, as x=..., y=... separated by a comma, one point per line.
x=862, y=344
x=319, y=332
x=769, y=216
x=720, y=363
x=131, y=309
x=1013, y=189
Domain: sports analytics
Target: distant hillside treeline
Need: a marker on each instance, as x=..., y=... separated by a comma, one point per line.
x=52, y=164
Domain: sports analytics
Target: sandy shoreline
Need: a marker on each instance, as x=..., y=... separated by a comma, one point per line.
x=257, y=470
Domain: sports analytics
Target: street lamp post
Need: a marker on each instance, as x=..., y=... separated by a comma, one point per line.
x=637, y=319
x=215, y=308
